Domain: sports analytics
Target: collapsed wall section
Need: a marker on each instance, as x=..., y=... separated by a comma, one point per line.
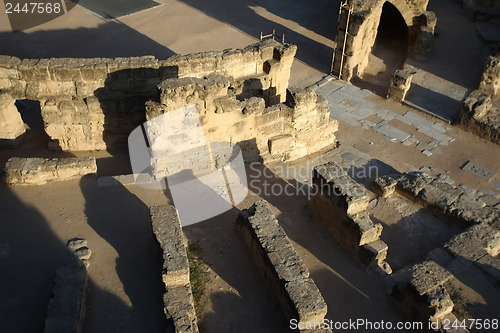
x=95, y=103
x=285, y=273
x=288, y=131
x=419, y=289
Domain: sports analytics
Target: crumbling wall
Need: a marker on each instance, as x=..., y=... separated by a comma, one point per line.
x=419, y=289
x=362, y=32
x=285, y=273
x=95, y=103
x=340, y=204
x=481, y=109
x=178, y=298
x=38, y=171
x=300, y=126
x=11, y=124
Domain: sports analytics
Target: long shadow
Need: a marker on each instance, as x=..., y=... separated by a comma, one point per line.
x=434, y=102
x=30, y=253
x=122, y=219
x=292, y=18
x=250, y=307
x=110, y=39
x=350, y=291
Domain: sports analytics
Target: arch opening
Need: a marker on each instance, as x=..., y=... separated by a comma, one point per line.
x=390, y=49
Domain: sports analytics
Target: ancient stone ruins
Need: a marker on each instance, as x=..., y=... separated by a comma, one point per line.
x=402, y=243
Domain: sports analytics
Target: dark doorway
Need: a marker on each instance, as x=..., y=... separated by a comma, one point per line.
x=36, y=138
x=390, y=50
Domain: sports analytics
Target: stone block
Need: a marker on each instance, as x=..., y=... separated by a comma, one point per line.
x=66, y=309
x=385, y=185
x=368, y=231
x=280, y=143
x=178, y=302
x=306, y=300
x=375, y=251
x=427, y=276
x=410, y=184
x=474, y=243
x=440, y=303
x=71, y=167
x=168, y=231
x=490, y=265
x=439, y=195
x=12, y=170
x=335, y=183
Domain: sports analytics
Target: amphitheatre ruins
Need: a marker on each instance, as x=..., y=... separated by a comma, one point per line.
x=259, y=166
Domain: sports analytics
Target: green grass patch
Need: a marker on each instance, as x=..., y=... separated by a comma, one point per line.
x=198, y=276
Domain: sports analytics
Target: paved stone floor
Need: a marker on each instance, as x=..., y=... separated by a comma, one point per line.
x=353, y=105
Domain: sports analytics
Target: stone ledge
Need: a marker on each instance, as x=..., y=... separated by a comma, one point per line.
x=38, y=171
x=178, y=299
x=281, y=266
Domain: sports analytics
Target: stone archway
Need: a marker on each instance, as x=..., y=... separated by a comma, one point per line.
x=390, y=49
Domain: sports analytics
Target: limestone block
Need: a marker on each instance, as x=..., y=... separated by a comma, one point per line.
x=375, y=251
x=439, y=195
x=490, y=265
x=66, y=309
x=385, y=185
x=12, y=170
x=474, y=243
x=440, y=303
x=368, y=231
x=427, y=276
x=307, y=300
x=72, y=167
x=11, y=124
x=178, y=302
x=410, y=184
x=335, y=182
x=280, y=143
x=168, y=231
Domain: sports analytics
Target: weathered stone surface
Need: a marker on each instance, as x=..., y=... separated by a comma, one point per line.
x=178, y=299
x=440, y=302
x=439, y=195
x=332, y=181
x=385, y=185
x=76, y=243
x=178, y=302
x=83, y=253
x=410, y=184
x=66, y=309
x=168, y=231
x=475, y=243
x=12, y=126
x=369, y=232
x=352, y=49
x=427, y=276
x=38, y=171
x=401, y=83
x=490, y=265
x=281, y=266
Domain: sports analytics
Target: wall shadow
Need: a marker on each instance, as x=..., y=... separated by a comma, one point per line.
x=292, y=18
x=110, y=39
x=30, y=253
x=123, y=221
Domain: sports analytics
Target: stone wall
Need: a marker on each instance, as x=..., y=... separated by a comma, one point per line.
x=363, y=27
x=419, y=289
x=340, y=204
x=178, y=299
x=12, y=127
x=481, y=109
x=38, y=171
x=285, y=273
x=285, y=131
x=95, y=103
